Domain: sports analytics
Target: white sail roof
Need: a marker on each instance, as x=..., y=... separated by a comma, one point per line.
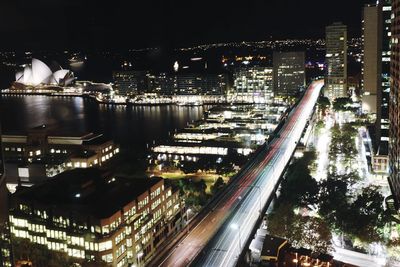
x=60, y=74
x=39, y=73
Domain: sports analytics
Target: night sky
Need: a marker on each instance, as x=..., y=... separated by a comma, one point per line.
x=35, y=24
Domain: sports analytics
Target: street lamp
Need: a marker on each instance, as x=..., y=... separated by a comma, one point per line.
x=189, y=210
x=236, y=226
x=139, y=257
x=187, y=219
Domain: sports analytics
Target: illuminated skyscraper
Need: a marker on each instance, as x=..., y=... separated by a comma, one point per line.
x=336, y=60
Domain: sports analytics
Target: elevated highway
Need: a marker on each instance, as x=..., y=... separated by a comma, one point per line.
x=223, y=228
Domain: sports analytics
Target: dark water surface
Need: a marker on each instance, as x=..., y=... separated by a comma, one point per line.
x=131, y=127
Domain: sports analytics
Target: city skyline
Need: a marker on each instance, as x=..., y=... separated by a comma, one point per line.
x=76, y=24
x=175, y=134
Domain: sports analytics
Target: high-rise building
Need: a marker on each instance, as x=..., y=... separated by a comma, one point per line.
x=336, y=61
x=289, y=73
x=380, y=159
x=89, y=215
x=372, y=59
x=254, y=84
x=394, y=105
x=129, y=82
x=5, y=241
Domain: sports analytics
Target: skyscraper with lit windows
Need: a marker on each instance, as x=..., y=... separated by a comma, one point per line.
x=336, y=61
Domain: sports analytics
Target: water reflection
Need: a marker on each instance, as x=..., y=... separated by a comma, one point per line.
x=132, y=127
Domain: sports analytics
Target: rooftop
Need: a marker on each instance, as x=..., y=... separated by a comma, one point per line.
x=87, y=191
x=83, y=154
x=95, y=140
x=272, y=246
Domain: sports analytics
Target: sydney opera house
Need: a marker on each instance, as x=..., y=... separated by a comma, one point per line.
x=39, y=76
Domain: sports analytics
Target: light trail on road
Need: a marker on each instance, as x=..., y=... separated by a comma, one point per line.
x=216, y=239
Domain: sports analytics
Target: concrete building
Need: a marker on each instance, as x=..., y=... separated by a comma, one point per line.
x=254, y=84
x=88, y=215
x=394, y=105
x=372, y=59
x=43, y=152
x=336, y=61
x=289, y=73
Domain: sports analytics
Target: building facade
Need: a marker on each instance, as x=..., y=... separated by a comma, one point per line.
x=73, y=214
x=394, y=105
x=336, y=61
x=199, y=84
x=5, y=241
x=372, y=57
x=43, y=153
x=161, y=84
x=254, y=84
x=382, y=114
x=289, y=73
x=129, y=82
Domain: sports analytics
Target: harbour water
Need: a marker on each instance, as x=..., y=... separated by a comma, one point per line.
x=133, y=127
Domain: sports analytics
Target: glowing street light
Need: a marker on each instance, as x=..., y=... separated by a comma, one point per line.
x=139, y=257
x=189, y=210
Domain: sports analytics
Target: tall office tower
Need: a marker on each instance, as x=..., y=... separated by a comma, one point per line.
x=380, y=158
x=372, y=60
x=5, y=238
x=254, y=84
x=289, y=73
x=336, y=60
x=129, y=82
x=394, y=105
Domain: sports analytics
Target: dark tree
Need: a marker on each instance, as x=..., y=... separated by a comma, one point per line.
x=323, y=104
x=299, y=188
x=218, y=185
x=342, y=104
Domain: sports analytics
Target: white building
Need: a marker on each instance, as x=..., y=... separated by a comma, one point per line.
x=254, y=84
